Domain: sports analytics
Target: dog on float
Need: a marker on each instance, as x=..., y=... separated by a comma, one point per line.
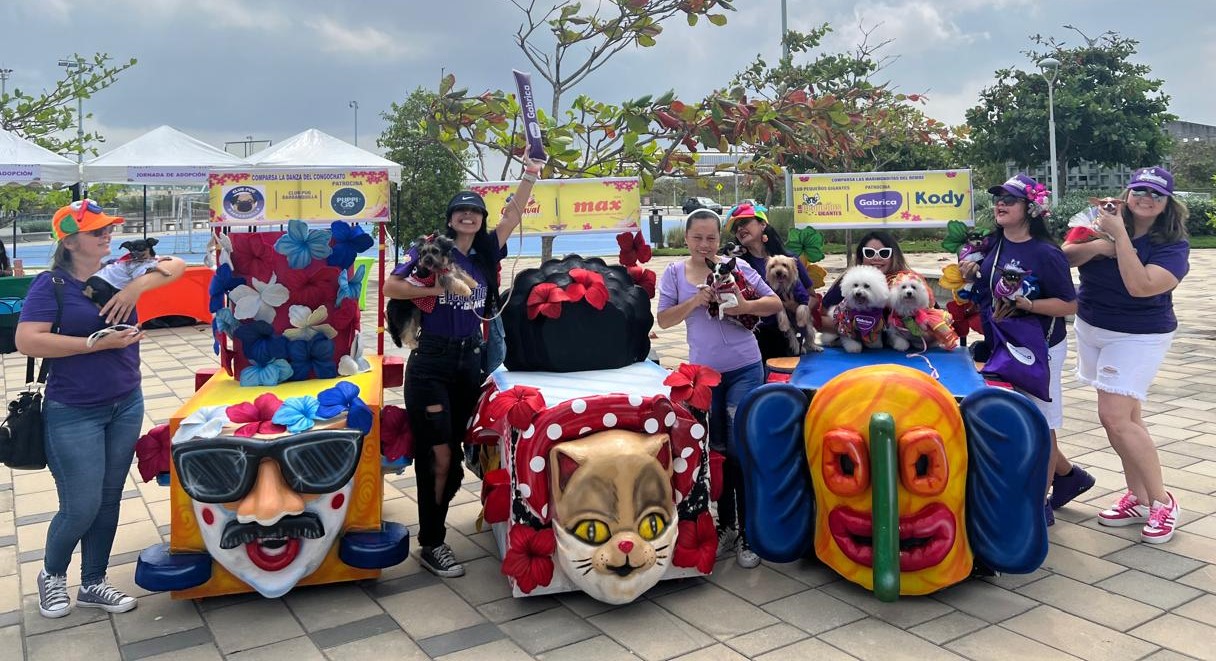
x=861, y=315
x=781, y=273
x=914, y=322
x=435, y=266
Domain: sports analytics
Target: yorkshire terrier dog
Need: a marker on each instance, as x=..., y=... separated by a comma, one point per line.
x=435, y=265
x=781, y=272
x=861, y=314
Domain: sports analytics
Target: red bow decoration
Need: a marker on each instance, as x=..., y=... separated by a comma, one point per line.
x=643, y=278
x=396, y=436
x=633, y=248
x=257, y=414
x=519, y=405
x=696, y=544
x=152, y=449
x=546, y=298
x=691, y=383
x=587, y=285
x=529, y=558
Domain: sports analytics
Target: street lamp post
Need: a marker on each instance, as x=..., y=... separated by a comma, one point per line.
x=785, y=53
x=4, y=74
x=1049, y=67
x=355, y=105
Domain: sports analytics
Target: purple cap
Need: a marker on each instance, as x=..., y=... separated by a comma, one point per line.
x=1016, y=186
x=1158, y=179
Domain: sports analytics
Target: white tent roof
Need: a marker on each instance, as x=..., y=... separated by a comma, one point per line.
x=314, y=149
x=162, y=156
x=23, y=162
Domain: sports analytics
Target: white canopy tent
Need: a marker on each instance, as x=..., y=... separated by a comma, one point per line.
x=315, y=149
x=23, y=162
x=161, y=157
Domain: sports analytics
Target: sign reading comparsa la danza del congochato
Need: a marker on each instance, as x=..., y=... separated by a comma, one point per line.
x=930, y=198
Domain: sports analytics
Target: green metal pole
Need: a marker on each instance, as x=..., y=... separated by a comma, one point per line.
x=884, y=474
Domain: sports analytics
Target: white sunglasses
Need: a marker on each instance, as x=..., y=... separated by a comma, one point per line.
x=116, y=328
x=881, y=253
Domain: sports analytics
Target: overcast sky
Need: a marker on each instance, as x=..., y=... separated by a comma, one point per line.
x=272, y=68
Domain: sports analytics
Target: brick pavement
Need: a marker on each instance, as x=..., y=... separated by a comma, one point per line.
x=1100, y=595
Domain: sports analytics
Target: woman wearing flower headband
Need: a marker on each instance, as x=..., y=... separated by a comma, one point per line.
x=1124, y=328
x=1022, y=247
x=443, y=374
x=90, y=431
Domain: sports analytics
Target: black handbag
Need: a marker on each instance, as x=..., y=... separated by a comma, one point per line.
x=22, y=444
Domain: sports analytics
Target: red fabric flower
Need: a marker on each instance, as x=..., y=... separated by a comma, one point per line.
x=518, y=405
x=396, y=437
x=257, y=414
x=529, y=558
x=546, y=298
x=587, y=285
x=253, y=255
x=152, y=449
x=691, y=383
x=697, y=544
x=643, y=278
x=315, y=286
x=633, y=248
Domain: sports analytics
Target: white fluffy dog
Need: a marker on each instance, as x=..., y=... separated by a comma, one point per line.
x=909, y=296
x=861, y=315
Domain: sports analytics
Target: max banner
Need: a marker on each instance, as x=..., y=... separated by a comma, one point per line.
x=883, y=199
x=249, y=197
x=569, y=205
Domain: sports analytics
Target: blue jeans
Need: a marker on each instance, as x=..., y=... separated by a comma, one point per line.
x=89, y=451
x=726, y=398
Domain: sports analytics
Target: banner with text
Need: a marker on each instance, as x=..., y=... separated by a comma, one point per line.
x=567, y=205
x=883, y=199
x=246, y=197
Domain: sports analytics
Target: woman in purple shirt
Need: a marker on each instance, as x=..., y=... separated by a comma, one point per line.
x=1124, y=328
x=94, y=407
x=724, y=345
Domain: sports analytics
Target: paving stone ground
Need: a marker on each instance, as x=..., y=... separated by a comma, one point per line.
x=1101, y=594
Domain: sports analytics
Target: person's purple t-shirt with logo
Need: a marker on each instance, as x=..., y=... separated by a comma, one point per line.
x=1104, y=299
x=89, y=379
x=454, y=316
x=1043, y=260
x=721, y=345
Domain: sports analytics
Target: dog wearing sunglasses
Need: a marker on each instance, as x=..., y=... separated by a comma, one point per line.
x=435, y=265
x=794, y=321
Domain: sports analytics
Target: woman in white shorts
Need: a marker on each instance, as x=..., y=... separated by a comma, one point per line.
x=1125, y=322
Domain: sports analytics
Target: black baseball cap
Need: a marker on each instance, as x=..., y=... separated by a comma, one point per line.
x=467, y=200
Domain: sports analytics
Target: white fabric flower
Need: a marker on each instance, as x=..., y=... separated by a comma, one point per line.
x=206, y=422
x=355, y=363
x=260, y=300
x=308, y=323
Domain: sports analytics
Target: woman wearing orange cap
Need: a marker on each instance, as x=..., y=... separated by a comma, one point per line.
x=93, y=406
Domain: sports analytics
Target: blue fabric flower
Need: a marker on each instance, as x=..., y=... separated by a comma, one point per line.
x=259, y=343
x=350, y=287
x=298, y=414
x=221, y=283
x=344, y=397
x=225, y=321
x=315, y=355
x=301, y=245
x=349, y=241
x=271, y=374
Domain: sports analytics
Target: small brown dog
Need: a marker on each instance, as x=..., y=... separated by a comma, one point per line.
x=435, y=265
x=781, y=273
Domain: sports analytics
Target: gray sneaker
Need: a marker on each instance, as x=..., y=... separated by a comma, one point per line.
x=440, y=561
x=746, y=557
x=53, y=600
x=106, y=597
x=728, y=540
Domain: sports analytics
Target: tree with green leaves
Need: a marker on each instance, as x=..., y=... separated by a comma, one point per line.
x=430, y=173
x=1193, y=163
x=1108, y=110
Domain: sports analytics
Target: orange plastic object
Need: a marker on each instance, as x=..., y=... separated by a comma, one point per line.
x=187, y=297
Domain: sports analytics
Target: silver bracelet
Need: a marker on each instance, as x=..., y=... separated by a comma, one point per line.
x=528, y=176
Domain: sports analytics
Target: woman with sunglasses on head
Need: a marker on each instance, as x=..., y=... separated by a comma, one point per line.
x=90, y=431
x=1124, y=327
x=443, y=374
x=724, y=345
x=1022, y=244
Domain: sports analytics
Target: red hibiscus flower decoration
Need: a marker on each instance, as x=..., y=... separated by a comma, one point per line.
x=152, y=449
x=643, y=278
x=315, y=286
x=253, y=255
x=396, y=437
x=691, y=383
x=696, y=544
x=518, y=405
x=633, y=248
x=257, y=415
x=587, y=285
x=529, y=557
x=546, y=298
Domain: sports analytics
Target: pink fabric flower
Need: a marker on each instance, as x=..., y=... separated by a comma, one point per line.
x=152, y=450
x=257, y=415
x=396, y=437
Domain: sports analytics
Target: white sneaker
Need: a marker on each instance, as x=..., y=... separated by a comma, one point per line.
x=746, y=557
x=1162, y=519
x=53, y=600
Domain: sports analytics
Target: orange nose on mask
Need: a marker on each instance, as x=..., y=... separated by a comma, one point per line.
x=270, y=498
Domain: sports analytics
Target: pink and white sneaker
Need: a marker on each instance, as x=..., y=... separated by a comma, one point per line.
x=1161, y=522
x=1127, y=512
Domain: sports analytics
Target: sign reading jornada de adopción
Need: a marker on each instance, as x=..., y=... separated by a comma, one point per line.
x=883, y=199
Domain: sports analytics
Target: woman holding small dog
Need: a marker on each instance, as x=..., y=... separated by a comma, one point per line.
x=443, y=374
x=1124, y=327
x=723, y=345
x=1022, y=244
x=90, y=431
